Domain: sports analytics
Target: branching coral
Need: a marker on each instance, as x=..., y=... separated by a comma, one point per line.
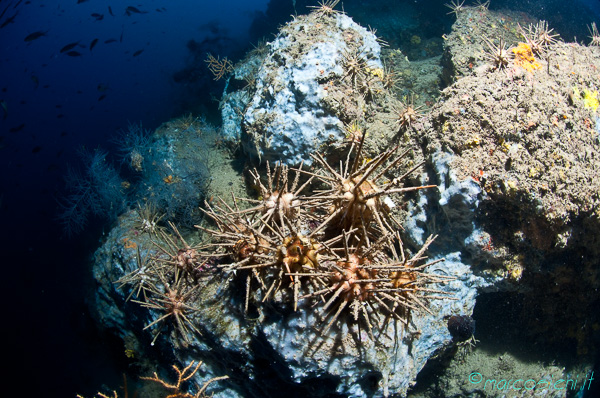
x=184, y=376
x=218, y=67
x=175, y=390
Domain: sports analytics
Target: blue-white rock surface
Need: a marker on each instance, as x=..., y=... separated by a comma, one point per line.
x=286, y=118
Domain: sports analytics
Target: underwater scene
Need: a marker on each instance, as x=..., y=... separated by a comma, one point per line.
x=300, y=198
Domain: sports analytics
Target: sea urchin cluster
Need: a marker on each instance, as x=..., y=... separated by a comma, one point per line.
x=332, y=240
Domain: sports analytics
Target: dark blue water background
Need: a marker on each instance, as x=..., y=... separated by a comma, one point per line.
x=56, y=103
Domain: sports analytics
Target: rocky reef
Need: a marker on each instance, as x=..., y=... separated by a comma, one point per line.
x=320, y=273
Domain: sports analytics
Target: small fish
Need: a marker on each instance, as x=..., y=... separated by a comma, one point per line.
x=60, y=116
x=36, y=149
x=81, y=1
x=110, y=11
x=138, y=52
x=68, y=47
x=35, y=35
x=74, y=54
x=17, y=129
x=98, y=17
x=63, y=133
x=100, y=98
x=110, y=41
x=93, y=43
x=121, y=37
x=35, y=81
x=132, y=10
x=102, y=87
x=9, y=20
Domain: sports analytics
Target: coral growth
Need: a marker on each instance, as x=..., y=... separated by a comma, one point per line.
x=218, y=67
x=524, y=57
x=183, y=376
x=98, y=191
x=174, y=390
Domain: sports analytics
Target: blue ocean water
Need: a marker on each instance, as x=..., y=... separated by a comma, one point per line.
x=127, y=63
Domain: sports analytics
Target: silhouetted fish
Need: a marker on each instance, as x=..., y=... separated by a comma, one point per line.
x=132, y=10
x=74, y=54
x=35, y=81
x=35, y=35
x=110, y=41
x=98, y=17
x=138, y=52
x=81, y=1
x=93, y=43
x=9, y=20
x=60, y=116
x=68, y=47
x=100, y=98
x=17, y=129
x=102, y=87
x=36, y=149
x=110, y=11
